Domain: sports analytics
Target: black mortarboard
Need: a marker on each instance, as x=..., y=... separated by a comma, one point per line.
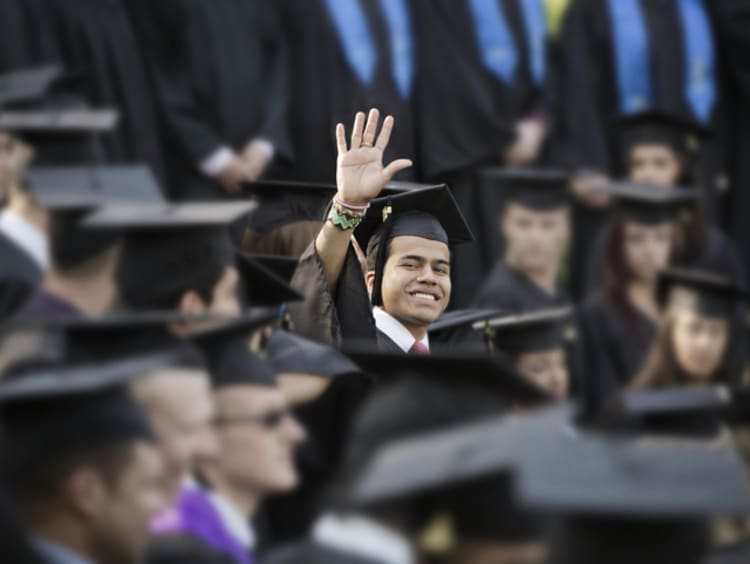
x=228, y=354
x=536, y=189
x=281, y=202
x=68, y=192
x=430, y=213
x=705, y=293
x=529, y=332
x=469, y=467
x=170, y=248
x=283, y=267
x=650, y=205
x=494, y=374
x=27, y=85
x=454, y=329
x=57, y=410
x=661, y=127
x=291, y=354
x=262, y=286
x=684, y=412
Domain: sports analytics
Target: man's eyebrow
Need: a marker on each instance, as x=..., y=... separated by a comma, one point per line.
x=422, y=259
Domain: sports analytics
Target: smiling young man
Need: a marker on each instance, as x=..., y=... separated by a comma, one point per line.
x=407, y=236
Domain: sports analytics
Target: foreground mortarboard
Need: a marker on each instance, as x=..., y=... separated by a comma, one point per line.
x=497, y=375
x=650, y=205
x=228, y=354
x=282, y=266
x=430, y=213
x=27, y=85
x=168, y=248
x=537, y=189
x=292, y=354
x=702, y=292
x=261, y=285
x=50, y=410
x=529, y=332
x=281, y=202
x=661, y=127
x=454, y=329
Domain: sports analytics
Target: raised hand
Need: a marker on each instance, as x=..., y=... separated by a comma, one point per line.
x=360, y=174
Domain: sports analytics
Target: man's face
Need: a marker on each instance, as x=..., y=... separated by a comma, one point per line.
x=416, y=285
x=257, y=437
x=654, y=164
x=120, y=531
x=225, y=303
x=547, y=369
x=535, y=239
x=180, y=404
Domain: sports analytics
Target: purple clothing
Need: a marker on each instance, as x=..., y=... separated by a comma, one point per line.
x=49, y=305
x=195, y=515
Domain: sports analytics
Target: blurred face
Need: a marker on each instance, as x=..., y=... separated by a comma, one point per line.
x=535, y=240
x=699, y=344
x=225, y=302
x=654, y=164
x=226, y=299
x=120, y=529
x=258, y=437
x=647, y=249
x=546, y=369
x=180, y=404
x=416, y=280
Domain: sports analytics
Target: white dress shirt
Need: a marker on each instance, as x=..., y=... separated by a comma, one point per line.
x=27, y=236
x=399, y=334
x=362, y=536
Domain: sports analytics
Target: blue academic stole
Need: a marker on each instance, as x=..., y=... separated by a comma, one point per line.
x=349, y=20
x=633, y=61
x=497, y=47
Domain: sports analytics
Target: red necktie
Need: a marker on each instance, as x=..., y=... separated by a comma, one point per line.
x=419, y=348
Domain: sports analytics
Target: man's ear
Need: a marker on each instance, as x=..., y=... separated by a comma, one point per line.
x=86, y=493
x=370, y=281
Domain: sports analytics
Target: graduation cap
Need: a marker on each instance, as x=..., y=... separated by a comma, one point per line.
x=650, y=205
x=529, y=332
x=662, y=127
x=58, y=410
x=702, y=292
x=169, y=249
x=430, y=213
x=282, y=266
x=262, y=286
x=228, y=354
x=738, y=410
x=492, y=373
x=27, y=85
x=282, y=202
x=454, y=329
x=537, y=189
x=468, y=469
x=288, y=353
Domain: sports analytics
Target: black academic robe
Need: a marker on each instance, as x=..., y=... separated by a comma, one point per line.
x=311, y=552
x=96, y=40
x=178, y=549
x=466, y=117
x=20, y=277
x=586, y=100
x=27, y=36
x=325, y=91
x=221, y=81
x=615, y=346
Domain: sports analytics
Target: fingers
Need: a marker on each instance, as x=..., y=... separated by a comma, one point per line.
x=359, y=125
x=341, y=138
x=385, y=134
x=372, y=127
x=395, y=167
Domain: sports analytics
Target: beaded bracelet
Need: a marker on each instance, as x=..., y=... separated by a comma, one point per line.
x=351, y=207
x=345, y=216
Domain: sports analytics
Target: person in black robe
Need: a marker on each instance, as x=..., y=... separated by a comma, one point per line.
x=619, y=321
x=480, y=102
x=329, y=84
x=604, y=70
x=221, y=79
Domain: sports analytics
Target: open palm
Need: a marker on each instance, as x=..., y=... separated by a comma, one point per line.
x=360, y=174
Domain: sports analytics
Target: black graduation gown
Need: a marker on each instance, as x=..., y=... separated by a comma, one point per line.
x=97, y=39
x=20, y=277
x=466, y=117
x=221, y=81
x=614, y=346
x=311, y=552
x=26, y=35
x=586, y=100
x=178, y=549
x=325, y=91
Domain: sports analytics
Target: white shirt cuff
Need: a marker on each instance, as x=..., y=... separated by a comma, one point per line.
x=264, y=146
x=217, y=161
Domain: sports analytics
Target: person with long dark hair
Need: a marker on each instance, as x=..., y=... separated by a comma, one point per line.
x=695, y=343
x=620, y=321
